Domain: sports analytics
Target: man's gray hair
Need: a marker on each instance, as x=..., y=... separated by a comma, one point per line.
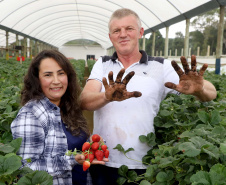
x=123, y=12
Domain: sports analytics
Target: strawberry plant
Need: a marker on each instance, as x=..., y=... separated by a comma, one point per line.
x=90, y=64
x=79, y=66
x=10, y=167
x=188, y=146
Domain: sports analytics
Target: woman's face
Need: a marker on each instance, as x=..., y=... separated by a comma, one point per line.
x=53, y=80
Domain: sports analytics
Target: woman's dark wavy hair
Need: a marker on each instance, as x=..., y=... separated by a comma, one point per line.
x=71, y=113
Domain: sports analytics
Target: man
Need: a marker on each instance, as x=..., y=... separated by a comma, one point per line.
x=119, y=117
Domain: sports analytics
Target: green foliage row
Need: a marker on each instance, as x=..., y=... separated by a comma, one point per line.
x=189, y=144
x=90, y=64
x=79, y=66
x=11, y=81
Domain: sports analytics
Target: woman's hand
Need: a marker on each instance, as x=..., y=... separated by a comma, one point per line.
x=80, y=158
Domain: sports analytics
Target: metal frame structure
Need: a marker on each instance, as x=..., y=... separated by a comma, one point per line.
x=56, y=22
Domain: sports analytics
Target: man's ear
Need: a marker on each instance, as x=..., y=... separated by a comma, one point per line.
x=109, y=35
x=141, y=32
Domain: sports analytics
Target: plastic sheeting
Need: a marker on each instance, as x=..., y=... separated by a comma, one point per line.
x=58, y=21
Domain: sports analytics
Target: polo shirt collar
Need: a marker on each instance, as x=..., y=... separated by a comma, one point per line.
x=144, y=58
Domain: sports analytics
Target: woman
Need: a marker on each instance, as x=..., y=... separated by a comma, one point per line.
x=50, y=121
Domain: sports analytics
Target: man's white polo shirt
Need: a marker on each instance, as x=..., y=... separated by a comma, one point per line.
x=123, y=122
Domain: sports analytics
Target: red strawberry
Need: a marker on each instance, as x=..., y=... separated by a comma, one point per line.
x=95, y=138
x=99, y=154
x=104, y=147
x=95, y=146
x=85, y=165
x=106, y=153
x=85, y=146
x=90, y=157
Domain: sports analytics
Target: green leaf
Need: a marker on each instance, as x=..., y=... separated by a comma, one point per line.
x=6, y=148
x=211, y=150
x=11, y=164
x=189, y=149
x=151, y=139
x=144, y=182
x=129, y=149
x=218, y=174
x=223, y=121
x=186, y=134
x=151, y=172
x=201, y=177
x=215, y=117
x=26, y=170
x=199, y=142
x=219, y=131
x=204, y=116
x=16, y=144
x=8, y=109
x=132, y=175
x=123, y=170
x=143, y=138
x=223, y=148
x=168, y=162
x=39, y=177
x=121, y=180
x=36, y=178
x=170, y=175
x=25, y=180
x=119, y=148
x=162, y=177
x=165, y=113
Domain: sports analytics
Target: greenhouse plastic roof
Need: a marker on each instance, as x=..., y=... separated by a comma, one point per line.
x=58, y=21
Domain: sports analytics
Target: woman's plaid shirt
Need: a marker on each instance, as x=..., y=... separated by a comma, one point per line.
x=39, y=124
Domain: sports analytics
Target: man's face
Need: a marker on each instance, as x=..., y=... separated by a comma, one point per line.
x=124, y=34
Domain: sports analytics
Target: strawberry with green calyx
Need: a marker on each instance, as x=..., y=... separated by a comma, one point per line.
x=86, y=165
x=95, y=146
x=106, y=153
x=95, y=138
x=99, y=154
x=85, y=146
x=89, y=156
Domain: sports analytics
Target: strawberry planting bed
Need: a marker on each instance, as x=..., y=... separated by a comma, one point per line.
x=188, y=147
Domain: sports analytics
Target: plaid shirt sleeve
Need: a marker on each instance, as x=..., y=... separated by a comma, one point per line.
x=45, y=147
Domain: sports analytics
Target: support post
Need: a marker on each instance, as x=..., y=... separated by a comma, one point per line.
x=153, y=44
x=31, y=49
x=166, y=43
x=186, y=39
x=143, y=47
x=17, y=44
x=7, y=46
x=219, y=40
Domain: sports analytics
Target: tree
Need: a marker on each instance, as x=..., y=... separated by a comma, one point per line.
x=203, y=20
x=196, y=40
x=178, y=42
x=159, y=43
x=210, y=38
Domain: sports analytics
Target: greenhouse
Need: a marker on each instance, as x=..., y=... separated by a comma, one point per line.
x=187, y=144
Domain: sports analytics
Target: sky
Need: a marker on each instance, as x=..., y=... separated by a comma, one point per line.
x=173, y=29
